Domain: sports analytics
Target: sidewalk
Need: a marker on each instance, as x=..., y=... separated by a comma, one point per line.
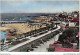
x=43, y=47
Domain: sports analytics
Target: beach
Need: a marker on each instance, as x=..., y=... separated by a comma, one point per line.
x=20, y=27
x=4, y=28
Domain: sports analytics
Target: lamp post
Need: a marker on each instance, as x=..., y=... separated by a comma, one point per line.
x=5, y=41
x=56, y=24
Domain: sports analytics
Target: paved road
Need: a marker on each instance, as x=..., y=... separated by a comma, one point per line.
x=32, y=39
x=43, y=47
x=62, y=26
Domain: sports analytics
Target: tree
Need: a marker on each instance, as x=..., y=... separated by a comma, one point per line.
x=33, y=45
x=60, y=15
x=69, y=35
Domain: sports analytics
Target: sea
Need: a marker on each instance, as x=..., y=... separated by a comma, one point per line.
x=2, y=35
x=21, y=16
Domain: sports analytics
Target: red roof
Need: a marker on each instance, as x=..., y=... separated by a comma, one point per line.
x=70, y=43
x=66, y=50
x=75, y=17
x=74, y=20
x=55, y=45
x=57, y=42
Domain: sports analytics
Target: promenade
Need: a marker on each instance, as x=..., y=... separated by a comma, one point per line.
x=43, y=47
x=31, y=39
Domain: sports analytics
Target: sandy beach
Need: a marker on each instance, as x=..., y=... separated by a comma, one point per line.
x=20, y=27
x=4, y=28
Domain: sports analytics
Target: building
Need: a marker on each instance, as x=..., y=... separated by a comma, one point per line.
x=75, y=14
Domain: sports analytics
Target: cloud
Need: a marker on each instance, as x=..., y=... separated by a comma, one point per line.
x=38, y=0
x=36, y=6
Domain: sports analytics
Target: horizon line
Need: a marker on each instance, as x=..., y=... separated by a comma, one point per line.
x=39, y=12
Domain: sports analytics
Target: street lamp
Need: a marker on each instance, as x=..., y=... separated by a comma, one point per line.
x=56, y=24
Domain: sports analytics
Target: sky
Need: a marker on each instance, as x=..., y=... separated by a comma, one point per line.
x=38, y=6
